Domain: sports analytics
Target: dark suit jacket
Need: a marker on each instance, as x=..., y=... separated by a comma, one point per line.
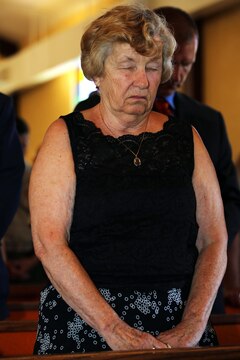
x=210, y=125
x=90, y=102
x=11, y=163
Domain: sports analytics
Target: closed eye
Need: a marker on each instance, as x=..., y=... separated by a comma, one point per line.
x=128, y=67
x=152, y=68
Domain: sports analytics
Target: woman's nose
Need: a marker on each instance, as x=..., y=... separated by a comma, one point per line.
x=141, y=79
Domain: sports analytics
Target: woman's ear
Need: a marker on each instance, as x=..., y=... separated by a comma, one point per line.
x=97, y=82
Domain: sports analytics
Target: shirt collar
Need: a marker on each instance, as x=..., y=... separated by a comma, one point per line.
x=170, y=100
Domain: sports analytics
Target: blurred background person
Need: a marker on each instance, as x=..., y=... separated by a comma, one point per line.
x=22, y=263
x=11, y=172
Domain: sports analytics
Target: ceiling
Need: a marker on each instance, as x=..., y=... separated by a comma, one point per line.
x=22, y=21
x=25, y=21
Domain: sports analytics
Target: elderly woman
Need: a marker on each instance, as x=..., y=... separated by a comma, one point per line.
x=127, y=216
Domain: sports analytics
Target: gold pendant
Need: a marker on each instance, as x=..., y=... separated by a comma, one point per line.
x=137, y=161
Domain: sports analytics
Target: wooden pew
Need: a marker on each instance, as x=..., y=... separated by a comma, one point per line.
x=17, y=337
x=23, y=301
x=227, y=327
x=25, y=292
x=23, y=310
x=220, y=353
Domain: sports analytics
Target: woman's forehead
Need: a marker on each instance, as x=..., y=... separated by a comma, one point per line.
x=124, y=51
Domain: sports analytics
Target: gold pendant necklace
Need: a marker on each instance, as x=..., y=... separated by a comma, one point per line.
x=136, y=161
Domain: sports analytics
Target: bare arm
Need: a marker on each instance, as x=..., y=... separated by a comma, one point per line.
x=52, y=192
x=211, y=244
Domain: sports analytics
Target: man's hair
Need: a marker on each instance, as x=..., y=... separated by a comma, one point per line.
x=182, y=25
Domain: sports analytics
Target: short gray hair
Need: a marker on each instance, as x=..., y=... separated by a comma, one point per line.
x=136, y=25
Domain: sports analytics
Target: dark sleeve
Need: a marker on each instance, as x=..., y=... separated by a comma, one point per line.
x=227, y=177
x=11, y=164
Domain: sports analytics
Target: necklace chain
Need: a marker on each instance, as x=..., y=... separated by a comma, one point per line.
x=137, y=161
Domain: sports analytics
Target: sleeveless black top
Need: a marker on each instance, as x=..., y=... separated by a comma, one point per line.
x=134, y=227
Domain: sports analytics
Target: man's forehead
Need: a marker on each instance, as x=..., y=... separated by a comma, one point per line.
x=187, y=47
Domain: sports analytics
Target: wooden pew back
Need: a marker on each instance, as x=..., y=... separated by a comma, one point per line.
x=17, y=337
x=23, y=310
x=227, y=327
x=220, y=353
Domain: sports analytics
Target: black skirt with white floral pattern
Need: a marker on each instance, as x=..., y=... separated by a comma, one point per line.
x=61, y=329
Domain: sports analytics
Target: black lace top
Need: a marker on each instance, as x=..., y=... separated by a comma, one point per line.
x=134, y=226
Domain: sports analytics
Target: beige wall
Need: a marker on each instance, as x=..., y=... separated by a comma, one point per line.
x=221, y=78
x=41, y=105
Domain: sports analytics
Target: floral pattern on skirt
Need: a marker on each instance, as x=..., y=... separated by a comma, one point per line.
x=61, y=329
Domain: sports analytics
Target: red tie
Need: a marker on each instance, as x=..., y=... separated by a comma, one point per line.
x=162, y=106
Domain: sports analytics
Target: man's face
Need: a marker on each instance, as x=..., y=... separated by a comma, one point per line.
x=183, y=60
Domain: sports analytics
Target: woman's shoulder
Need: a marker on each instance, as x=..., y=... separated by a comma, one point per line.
x=75, y=121
x=156, y=122
x=170, y=124
x=74, y=116
x=77, y=118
